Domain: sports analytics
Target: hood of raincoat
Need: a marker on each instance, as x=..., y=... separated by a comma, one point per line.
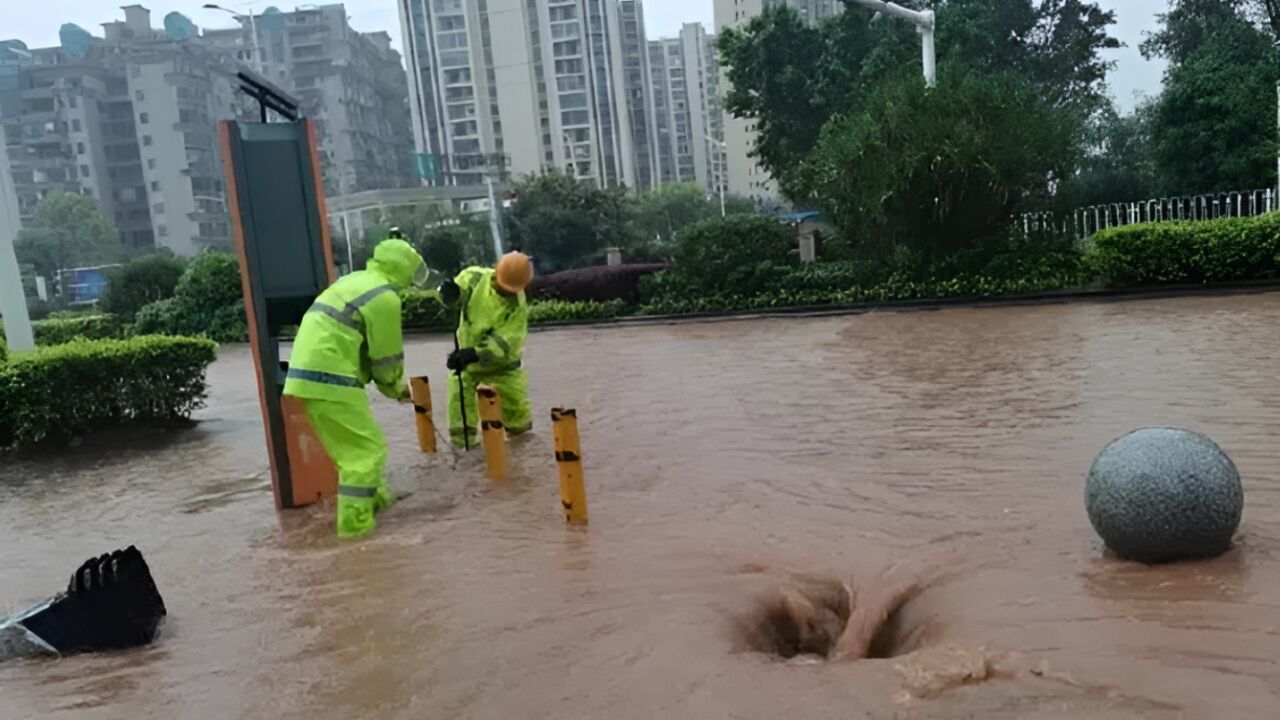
x=397, y=261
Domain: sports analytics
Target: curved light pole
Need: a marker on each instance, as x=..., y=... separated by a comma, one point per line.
x=253, y=28
x=924, y=22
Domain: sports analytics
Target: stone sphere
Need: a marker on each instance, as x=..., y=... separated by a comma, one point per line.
x=1164, y=494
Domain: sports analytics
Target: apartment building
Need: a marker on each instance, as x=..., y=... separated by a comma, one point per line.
x=689, y=119
x=519, y=86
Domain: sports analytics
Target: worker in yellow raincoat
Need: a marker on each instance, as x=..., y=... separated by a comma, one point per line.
x=351, y=335
x=493, y=322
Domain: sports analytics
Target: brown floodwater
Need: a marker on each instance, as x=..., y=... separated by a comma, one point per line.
x=726, y=463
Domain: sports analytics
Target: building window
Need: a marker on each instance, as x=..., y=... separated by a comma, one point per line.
x=159, y=208
x=162, y=231
x=84, y=171
x=79, y=148
x=146, y=140
x=155, y=186
x=75, y=125
x=144, y=118
x=139, y=95
x=151, y=163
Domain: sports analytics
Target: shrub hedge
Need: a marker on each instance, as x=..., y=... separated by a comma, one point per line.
x=1224, y=250
x=64, y=391
x=87, y=327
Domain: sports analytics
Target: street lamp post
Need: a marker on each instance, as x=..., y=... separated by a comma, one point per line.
x=924, y=22
x=253, y=29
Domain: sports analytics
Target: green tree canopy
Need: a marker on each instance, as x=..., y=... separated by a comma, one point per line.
x=927, y=173
x=790, y=79
x=567, y=223
x=1214, y=126
x=67, y=231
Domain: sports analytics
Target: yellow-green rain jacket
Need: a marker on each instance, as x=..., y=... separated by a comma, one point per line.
x=495, y=325
x=352, y=334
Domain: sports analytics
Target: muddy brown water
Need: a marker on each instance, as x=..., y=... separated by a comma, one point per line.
x=723, y=460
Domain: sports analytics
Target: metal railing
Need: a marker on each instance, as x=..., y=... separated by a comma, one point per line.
x=1086, y=221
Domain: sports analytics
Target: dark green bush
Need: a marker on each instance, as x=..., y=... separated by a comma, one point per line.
x=207, y=302
x=141, y=281
x=734, y=254
x=4, y=349
x=87, y=327
x=66, y=390
x=1225, y=250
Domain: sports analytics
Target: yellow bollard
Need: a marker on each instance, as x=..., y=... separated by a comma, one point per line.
x=420, y=389
x=492, y=432
x=573, y=490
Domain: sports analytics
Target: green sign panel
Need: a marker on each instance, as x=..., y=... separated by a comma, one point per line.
x=428, y=166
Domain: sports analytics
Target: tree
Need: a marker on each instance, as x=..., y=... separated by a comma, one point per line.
x=1119, y=163
x=67, y=231
x=1214, y=125
x=447, y=242
x=666, y=210
x=926, y=173
x=790, y=79
x=141, y=281
x=567, y=223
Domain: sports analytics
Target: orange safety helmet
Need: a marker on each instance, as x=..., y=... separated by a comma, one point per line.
x=514, y=272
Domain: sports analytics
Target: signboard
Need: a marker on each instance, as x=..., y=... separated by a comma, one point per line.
x=428, y=166
x=84, y=285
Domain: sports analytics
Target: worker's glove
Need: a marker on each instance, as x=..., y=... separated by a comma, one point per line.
x=460, y=359
x=450, y=293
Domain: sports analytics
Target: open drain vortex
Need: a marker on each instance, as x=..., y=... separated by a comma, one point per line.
x=829, y=619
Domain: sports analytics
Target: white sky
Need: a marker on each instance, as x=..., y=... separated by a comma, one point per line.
x=37, y=23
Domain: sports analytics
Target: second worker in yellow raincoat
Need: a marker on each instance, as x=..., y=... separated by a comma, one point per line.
x=493, y=322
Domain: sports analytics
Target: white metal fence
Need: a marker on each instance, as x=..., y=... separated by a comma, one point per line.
x=1086, y=221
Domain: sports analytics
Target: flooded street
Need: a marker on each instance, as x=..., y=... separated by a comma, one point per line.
x=722, y=461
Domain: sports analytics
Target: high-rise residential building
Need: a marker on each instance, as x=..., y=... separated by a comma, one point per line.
x=130, y=118
x=453, y=94
x=351, y=83
x=745, y=176
x=638, y=86
x=689, y=121
x=537, y=83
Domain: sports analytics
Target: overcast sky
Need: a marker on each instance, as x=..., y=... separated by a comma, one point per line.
x=37, y=23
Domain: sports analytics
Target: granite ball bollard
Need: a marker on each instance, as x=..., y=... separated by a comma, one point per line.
x=1164, y=494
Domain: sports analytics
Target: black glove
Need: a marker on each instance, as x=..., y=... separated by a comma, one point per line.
x=450, y=293
x=460, y=359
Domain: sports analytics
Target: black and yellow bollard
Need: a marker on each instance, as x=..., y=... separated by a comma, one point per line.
x=573, y=490
x=420, y=389
x=492, y=432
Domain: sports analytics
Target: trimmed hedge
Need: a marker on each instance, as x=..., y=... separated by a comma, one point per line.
x=545, y=312
x=56, y=331
x=1223, y=250
x=897, y=288
x=64, y=391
